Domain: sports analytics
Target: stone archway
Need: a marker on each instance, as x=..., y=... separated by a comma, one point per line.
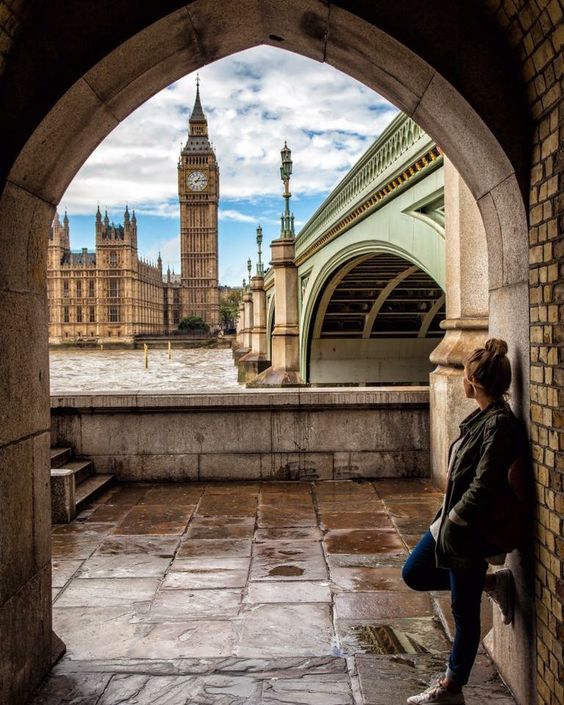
x=57, y=105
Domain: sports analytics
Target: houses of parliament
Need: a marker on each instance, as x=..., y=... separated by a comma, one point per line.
x=113, y=295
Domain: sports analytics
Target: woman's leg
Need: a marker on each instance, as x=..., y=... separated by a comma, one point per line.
x=466, y=596
x=420, y=570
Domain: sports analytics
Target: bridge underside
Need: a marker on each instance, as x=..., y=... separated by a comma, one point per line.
x=377, y=321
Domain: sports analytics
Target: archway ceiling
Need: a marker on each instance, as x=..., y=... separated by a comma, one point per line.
x=150, y=47
x=394, y=297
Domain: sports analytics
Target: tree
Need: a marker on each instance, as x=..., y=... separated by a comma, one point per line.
x=193, y=323
x=229, y=308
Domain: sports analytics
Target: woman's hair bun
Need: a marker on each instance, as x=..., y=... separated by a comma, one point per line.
x=490, y=367
x=496, y=346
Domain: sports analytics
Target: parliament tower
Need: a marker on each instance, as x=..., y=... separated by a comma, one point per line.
x=198, y=194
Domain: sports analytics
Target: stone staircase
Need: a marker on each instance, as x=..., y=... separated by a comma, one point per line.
x=74, y=483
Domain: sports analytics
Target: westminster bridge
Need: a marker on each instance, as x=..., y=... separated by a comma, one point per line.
x=364, y=278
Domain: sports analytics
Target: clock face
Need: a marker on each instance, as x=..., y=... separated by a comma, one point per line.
x=197, y=181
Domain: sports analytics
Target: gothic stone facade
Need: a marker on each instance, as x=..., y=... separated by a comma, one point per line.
x=110, y=294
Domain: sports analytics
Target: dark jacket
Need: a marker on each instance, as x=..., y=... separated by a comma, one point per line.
x=478, y=488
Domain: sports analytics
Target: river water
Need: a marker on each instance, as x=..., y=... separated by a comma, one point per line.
x=193, y=370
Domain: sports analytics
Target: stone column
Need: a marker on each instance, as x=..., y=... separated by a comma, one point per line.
x=240, y=323
x=259, y=318
x=466, y=322
x=255, y=361
x=239, y=345
x=246, y=336
x=285, y=368
x=28, y=646
x=248, y=315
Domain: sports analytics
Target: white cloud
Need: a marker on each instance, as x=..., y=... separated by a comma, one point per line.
x=253, y=101
x=236, y=216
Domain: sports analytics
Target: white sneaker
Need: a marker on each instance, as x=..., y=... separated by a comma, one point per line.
x=503, y=594
x=437, y=693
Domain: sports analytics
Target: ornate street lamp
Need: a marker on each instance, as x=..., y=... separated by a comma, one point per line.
x=287, y=220
x=286, y=168
x=260, y=267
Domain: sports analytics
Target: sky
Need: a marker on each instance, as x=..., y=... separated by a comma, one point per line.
x=254, y=101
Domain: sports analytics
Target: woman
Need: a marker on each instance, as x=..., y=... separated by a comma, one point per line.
x=476, y=519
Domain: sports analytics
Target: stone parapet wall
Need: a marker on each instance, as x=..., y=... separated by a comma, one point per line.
x=260, y=434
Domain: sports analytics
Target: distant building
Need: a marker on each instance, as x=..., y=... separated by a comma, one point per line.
x=112, y=293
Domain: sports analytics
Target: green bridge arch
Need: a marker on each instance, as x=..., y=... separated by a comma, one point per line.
x=390, y=202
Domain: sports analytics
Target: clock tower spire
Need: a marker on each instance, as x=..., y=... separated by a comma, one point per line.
x=198, y=195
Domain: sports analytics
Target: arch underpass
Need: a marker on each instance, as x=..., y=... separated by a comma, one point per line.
x=446, y=64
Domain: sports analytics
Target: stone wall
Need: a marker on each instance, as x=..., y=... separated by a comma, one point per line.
x=277, y=435
x=370, y=360
x=27, y=645
x=12, y=12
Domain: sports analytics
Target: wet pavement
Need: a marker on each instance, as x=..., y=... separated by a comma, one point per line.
x=272, y=593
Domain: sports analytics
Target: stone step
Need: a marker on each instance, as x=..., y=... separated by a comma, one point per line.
x=81, y=469
x=62, y=495
x=90, y=488
x=60, y=456
x=73, y=484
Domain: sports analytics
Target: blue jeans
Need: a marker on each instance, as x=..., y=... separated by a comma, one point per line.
x=420, y=572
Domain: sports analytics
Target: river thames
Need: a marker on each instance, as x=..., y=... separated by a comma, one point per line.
x=193, y=370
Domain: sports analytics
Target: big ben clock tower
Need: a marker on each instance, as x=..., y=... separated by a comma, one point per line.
x=198, y=193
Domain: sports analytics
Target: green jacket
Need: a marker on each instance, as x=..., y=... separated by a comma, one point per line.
x=478, y=488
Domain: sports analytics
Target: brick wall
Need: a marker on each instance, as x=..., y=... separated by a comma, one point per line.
x=11, y=14
x=536, y=29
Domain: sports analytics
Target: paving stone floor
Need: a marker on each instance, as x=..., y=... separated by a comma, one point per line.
x=271, y=593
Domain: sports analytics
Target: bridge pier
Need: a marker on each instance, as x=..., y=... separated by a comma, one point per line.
x=238, y=342
x=255, y=361
x=285, y=368
x=244, y=323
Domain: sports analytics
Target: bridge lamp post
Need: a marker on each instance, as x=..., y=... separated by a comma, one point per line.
x=287, y=230
x=285, y=367
x=253, y=360
x=260, y=266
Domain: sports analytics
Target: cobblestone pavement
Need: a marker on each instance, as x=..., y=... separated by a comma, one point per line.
x=271, y=593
